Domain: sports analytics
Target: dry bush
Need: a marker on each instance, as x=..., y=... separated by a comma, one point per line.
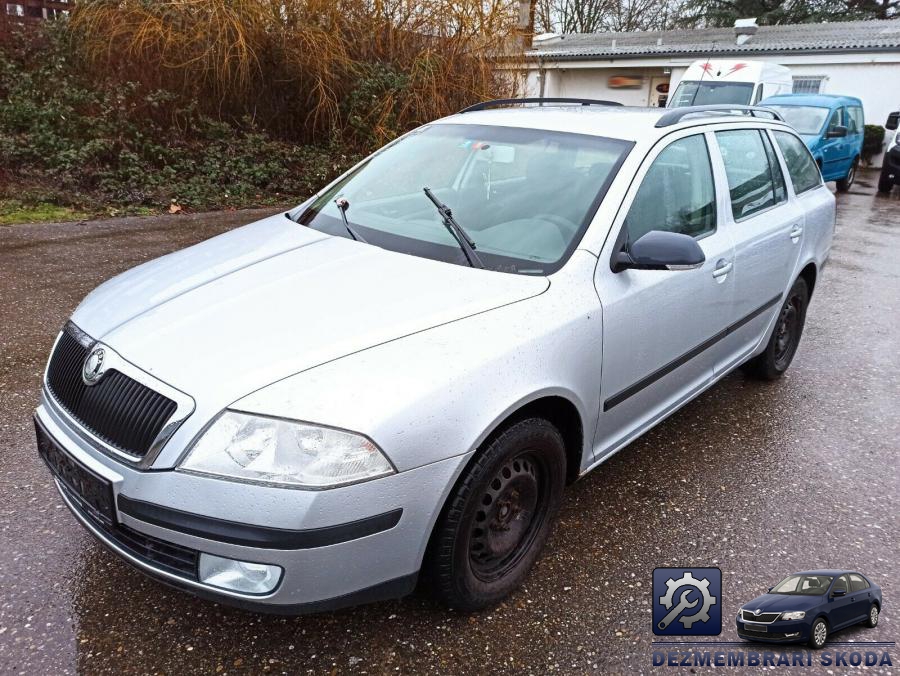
x=360, y=71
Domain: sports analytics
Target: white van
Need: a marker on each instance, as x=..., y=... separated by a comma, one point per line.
x=728, y=81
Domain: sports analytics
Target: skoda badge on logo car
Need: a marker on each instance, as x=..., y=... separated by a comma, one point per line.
x=93, y=366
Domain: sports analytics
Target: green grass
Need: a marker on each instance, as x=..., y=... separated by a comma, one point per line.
x=14, y=211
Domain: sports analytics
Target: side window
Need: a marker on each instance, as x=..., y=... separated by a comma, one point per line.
x=775, y=169
x=858, y=582
x=855, y=122
x=842, y=583
x=835, y=120
x=677, y=194
x=801, y=167
x=749, y=174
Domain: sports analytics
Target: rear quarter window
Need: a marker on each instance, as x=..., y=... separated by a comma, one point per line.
x=804, y=172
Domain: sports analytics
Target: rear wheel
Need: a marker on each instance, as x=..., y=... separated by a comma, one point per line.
x=845, y=183
x=885, y=181
x=499, y=516
x=785, y=339
x=819, y=634
x=872, y=621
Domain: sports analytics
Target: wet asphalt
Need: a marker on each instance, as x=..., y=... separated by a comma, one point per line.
x=757, y=479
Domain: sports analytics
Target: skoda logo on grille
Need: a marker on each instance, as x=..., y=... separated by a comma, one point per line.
x=93, y=366
x=757, y=612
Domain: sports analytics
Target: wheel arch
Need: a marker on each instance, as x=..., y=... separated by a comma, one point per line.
x=809, y=273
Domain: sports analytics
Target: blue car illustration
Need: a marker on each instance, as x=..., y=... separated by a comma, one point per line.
x=810, y=606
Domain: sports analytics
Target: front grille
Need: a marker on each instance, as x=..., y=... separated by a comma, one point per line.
x=119, y=410
x=172, y=558
x=762, y=617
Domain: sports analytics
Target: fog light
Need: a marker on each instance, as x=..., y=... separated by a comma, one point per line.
x=239, y=576
x=796, y=633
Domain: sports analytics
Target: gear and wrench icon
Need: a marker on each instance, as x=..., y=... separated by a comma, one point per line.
x=701, y=585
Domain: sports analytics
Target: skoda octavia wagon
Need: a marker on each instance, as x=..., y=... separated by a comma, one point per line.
x=395, y=380
x=810, y=607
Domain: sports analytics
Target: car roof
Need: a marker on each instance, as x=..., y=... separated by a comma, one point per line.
x=619, y=122
x=833, y=573
x=822, y=100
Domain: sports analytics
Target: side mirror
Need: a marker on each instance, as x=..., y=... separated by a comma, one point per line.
x=660, y=250
x=893, y=121
x=769, y=589
x=837, y=132
x=838, y=591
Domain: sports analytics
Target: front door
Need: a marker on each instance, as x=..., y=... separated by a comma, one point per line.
x=657, y=325
x=840, y=608
x=767, y=228
x=834, y=150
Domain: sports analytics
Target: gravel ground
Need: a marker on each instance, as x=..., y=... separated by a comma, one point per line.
x=757, y=479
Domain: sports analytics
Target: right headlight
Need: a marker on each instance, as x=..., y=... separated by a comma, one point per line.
x=266, y=450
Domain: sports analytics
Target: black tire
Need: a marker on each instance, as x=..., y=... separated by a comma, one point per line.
x=844, y=184
x=782, y=345
x=885, y=181
x=818, y=634
x=872, y=620
x=499, y=516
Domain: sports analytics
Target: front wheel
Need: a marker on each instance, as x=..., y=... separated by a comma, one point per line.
x=819, y=634
x=844, y=184
x=785, y=339
x=885, y=180
x=499, y=516
x=873, y=617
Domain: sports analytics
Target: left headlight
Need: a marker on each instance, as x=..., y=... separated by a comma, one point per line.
x=285, y=452
x=797, y=615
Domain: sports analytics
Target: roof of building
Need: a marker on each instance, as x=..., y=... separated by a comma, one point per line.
x=866, y=36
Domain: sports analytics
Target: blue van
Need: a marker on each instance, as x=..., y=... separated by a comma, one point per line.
x=831, y=126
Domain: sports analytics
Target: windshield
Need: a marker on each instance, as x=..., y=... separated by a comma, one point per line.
x=805, y=119
x=696, y=93
x=805, y=585
x=523, y=196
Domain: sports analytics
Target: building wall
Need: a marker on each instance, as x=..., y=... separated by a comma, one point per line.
x=870, y=77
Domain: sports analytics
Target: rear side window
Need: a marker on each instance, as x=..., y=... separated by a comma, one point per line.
x=677, y=194
x=750, y=179
x=858, y=582
x=800, y=165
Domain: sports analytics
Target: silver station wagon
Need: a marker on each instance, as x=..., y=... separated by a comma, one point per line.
x=394, y=382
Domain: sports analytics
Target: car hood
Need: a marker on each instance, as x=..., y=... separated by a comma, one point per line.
x=235, y=313
x=778, y=603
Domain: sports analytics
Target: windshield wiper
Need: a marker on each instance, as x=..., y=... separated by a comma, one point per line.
x=342, y=206
x=465, y=242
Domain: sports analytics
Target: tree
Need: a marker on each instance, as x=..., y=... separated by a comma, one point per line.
x=721, y=13
x=595, y=16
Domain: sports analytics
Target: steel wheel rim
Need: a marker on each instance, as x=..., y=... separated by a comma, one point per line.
x=786, y=330
x=873, y=615
x=510, y=514
x=821, y=633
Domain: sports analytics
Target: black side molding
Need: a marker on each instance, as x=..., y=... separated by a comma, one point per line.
x=645, y=382
x=247, y=535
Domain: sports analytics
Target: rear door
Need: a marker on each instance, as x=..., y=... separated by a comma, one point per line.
x=860, y=598
x=658, y=324
x=767, y=228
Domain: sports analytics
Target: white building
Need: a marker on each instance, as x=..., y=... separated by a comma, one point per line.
x=855, y=58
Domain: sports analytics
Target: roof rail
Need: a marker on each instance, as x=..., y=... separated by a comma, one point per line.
x=675, y=115
x=484, y=105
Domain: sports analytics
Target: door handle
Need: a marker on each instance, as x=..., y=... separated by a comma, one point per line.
x=796, y=231
x=723, y=267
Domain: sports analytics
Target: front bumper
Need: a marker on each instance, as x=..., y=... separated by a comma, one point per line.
x=337, y=547
x=793, y=631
